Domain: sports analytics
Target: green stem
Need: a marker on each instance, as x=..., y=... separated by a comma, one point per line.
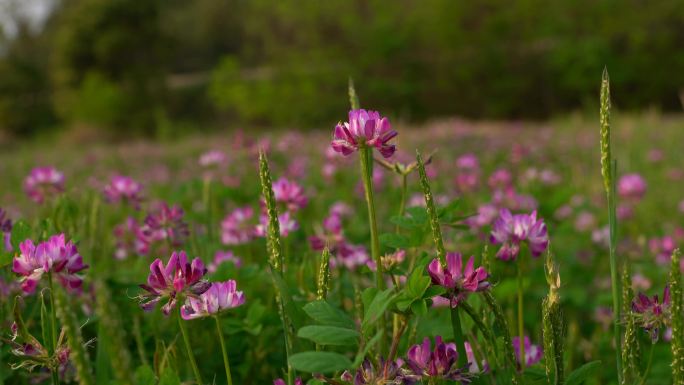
x=366, y=156
x=188, y=348
x=615, y=288
x=648, y=365
x=53, y=315
x=402, y=202
x=458, y=337
x=223, y=350
x=521, y=326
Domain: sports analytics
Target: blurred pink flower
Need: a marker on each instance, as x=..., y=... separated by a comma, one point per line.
x=290, y=194
x=237, y=227
x=221, y=257
x=631, y=187
x=130, y=239
x=43, y=182
x=123, y=188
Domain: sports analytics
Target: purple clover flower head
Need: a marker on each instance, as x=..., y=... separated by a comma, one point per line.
x=178, y=278
x=533, y=353
x=123, y=188
x=458, y=282
x=511, y=230
x=130, y=240
x=440, y=363
x=290, y=194
x=237, y=228
x=166, y=224
x=43, y=182
x=6, y=230
x=651, y=313
x=55, y=256
x=221, y=257
x=364, y=129
x=631, y=187
x=219, y=297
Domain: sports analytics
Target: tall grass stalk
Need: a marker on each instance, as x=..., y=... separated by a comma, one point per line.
x=275, y=253
x=630, y=343
x=441, y=253
x=609, y=171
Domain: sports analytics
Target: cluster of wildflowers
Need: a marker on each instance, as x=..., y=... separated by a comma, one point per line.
x=331, y=235
x=663, y=247
x=510, y=231
x=124, y=188
x=438, y=364
x=221, y=257
x=6, y=230
x=166, y=225
x=43, y=183
x=130, y=239
x=178, y=279
x=237, y=227
x=651, y=313
x=458, y=281
x=182, y=280
x=56, y=257
x=467, y=173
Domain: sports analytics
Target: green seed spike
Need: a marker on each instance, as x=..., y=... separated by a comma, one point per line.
x=604, y=116
x=77, y=352
x=273, y=232
x=677, y=322
x=353, y=96
x=323, y=275
x=552, y=323
x=630, y=346
x=431, y=210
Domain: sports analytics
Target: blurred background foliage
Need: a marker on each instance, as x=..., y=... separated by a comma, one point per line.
x=160, y=67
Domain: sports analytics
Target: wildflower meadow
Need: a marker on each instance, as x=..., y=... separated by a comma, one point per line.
x=366, y=252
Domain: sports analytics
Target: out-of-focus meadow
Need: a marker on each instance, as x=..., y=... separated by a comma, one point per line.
x=139, y=128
